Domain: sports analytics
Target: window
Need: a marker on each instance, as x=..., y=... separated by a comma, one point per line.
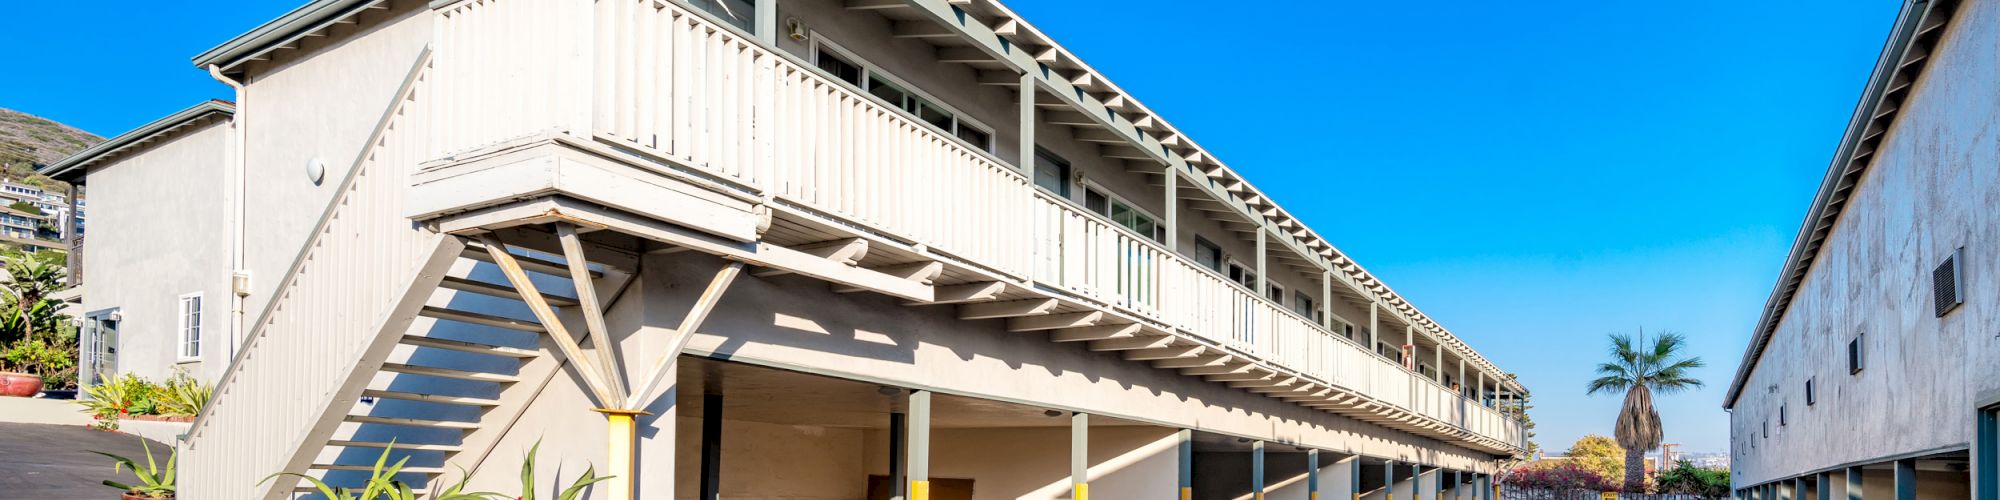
x=740, y=13
x=1207, y=254
x=1304, y=305
x=1781, y=416
x=1051, y=173
x=190, y=327
x=1242, y=275
x=1122, y=213
x=1854, y=355
x=844, y=66
x=1767, y=429
x=1275, y=293
x=839, y=67
x=1811, y=397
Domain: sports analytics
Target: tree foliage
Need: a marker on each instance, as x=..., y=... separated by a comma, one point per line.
x=1641, y=369
x=1600, y=455
x=1687, y=479
x=35, y=337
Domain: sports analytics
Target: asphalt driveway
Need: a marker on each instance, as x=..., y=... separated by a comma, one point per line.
x=41, y=461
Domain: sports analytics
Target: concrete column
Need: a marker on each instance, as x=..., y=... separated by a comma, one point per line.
x=711, y=446
x=1854, y=483
x=1079, y=456
x=1906, y=479
x=1187, y=464
x=766, y=17
x=1257, y=470
x=919, y=443
x=1027, y=132
x=898, y=465
x=1312, y=474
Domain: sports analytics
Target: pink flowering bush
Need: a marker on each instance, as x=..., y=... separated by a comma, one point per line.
x=1564, y=477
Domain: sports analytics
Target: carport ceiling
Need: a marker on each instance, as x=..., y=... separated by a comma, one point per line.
x=774, y=396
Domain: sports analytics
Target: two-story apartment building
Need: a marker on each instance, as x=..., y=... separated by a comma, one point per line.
x=811, y=249
x=1872, y=372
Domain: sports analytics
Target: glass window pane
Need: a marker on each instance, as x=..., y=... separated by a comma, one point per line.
x=978, y=138
x=886, y=91
x=1096, y=202
x=741, y=13
x=931, y=114
x=839, y=67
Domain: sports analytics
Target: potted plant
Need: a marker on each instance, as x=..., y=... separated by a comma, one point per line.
x=20, y=385
x=155, y=482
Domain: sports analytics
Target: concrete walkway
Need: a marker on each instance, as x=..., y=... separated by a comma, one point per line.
x=42, y=411
x=54, y=461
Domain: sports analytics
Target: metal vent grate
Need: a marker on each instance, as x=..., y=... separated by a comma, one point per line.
x=1945, y=285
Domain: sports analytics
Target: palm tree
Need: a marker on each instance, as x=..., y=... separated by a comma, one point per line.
x=1641, y=370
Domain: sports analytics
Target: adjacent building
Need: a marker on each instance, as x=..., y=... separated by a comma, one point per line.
x=1875, y=369
x=803, y=249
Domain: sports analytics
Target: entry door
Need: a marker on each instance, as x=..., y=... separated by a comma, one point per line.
x=100, y=352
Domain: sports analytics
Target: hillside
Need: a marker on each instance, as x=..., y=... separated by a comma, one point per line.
x=27, y=140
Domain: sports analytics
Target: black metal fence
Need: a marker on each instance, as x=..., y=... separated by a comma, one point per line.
x=1526, y=494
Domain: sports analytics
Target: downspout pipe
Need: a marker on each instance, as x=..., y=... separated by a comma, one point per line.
x=239, y=279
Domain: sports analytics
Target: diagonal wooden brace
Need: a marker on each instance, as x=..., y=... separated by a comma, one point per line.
x=696, y=315
x=592, y=376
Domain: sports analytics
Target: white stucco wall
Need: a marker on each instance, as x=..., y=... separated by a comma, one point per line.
x=1932, y=189
x=160, y=214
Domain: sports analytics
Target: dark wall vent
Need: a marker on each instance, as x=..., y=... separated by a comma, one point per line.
x=1945, y=282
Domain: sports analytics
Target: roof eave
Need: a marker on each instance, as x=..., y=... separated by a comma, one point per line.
x=1799, y=260
x=277, y=32
x=69, y=169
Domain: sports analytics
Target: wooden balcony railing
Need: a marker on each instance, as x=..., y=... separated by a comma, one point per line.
x=671, y=83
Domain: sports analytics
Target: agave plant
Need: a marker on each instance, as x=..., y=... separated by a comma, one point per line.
x=588, y=478
x=183, y=396
x=382, y=484
x=154, y=481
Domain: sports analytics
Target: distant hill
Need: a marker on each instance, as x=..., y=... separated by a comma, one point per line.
x=27, y=140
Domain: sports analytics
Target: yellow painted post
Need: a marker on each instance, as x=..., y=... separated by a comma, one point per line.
x=622, y=434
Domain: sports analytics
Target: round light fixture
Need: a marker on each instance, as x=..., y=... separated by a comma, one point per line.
x=316, y=170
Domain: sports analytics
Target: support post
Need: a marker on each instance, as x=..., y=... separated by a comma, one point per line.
x=1325, y=301
x=711, y=447
x=1854, y=483
x=766, y=16
x=1374, y=326
x=1263, y=289
x=1027, y=133
x=1312, y=474
x=1354, y=479
x=1079, y=456
x=1173, y=208
x=919, y=456
x=898, y=466
x=621, y=433
x=1389, y=479
x=1798, y=488
x=1823, y=485
x=1187, y=464
x=1906, y=479
x=1257, y=470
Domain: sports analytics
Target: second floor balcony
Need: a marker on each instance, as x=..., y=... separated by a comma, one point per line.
x=773, y=148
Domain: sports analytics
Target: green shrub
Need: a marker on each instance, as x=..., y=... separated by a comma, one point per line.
x=1686, y=478
x=182, y=396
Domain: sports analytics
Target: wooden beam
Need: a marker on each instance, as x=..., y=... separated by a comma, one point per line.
x=1131, y=343
x=593, y=311
x=1100, y=332
x=1007, y=309
x=1217, y=360
x=968, y=292
x=922, y=273
x=998, y=78
x=847, y=252
x=689, y=324
x=1164, y=353
x=922, y=29
x=966, y=55
x=876, y=4
x=1053, y=321
x=592, y=377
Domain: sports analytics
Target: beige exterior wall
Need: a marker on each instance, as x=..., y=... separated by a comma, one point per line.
x=1932, y=190
x=162, y=214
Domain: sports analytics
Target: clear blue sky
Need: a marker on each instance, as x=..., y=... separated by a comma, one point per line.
x=1532, y=174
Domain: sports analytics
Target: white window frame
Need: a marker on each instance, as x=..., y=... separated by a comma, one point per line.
x=1269, y=285
x=1221, y=257
x=182, y=328
x=871, y=70
x=1111, y=197
x=1247, y=270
